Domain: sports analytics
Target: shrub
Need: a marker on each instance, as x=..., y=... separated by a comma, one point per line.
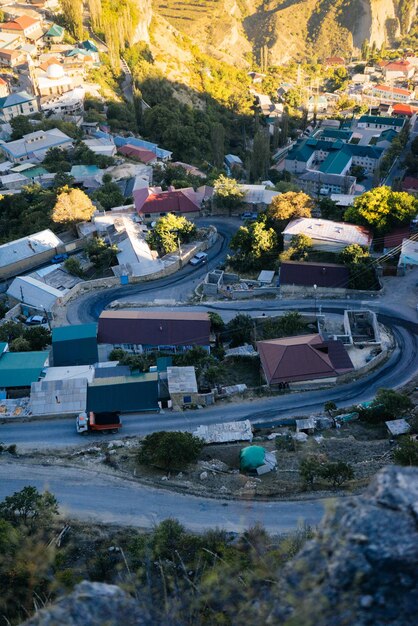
x=310, y=469
x=73, y=266
x=407, y=451
x=169, y=450
x=337, y=473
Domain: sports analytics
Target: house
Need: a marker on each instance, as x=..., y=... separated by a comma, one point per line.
x=388, y=93
x=395, y=237
x=55, y=34
x=258, y=195
x=4, y=88
x=102, y=145
x=34, y=293
x=328, y=275
x=35, y=145
x=367, y=157
x=232, y=162
x=74, y=345
x=300, y=358
x=160, y=153
x=151, y=330
x=317, y=183
x=13, y=181
x=182, y=387
x=334, y=62
x=154, y=202
x=326, y=234
x=318, y=104
x=53, y=81
x=18, y=370
x=69, y=103
x=404, y=109
x=125, y=394
x=377, y=122
x=28, y=252
x=64, y=394
x=398, y=69
x=19, y=103
x=24, y=25
x=12, y=58
x=410, y=185
x=138, y=154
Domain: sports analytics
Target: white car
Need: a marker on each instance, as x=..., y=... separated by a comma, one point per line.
x=199, y=259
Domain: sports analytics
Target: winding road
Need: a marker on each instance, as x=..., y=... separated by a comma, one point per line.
x=92, y=496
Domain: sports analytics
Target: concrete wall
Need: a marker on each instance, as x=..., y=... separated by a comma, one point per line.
x=327, y=292
x=380, y=358
x=14, y=269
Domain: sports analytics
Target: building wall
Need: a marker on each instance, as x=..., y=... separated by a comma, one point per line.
x=14, y=269
x=182, y=400
x=26, y=108
x=77, y=352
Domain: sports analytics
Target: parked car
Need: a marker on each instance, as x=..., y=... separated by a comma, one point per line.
x=59, y=258
x=249, y=216
x=199, y=259
x=35, y=320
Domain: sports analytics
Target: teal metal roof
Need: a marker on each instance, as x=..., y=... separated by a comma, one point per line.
x=302, y=152
x=34, y=172
x=3, y=346
x=72, y=333
x=126, y=394
x=55, y=31
x=89, y=45
x=336, y=162
x=21, y=369
x=378, y=119
x=372, y=152
x=84, y=170
x=333, y=133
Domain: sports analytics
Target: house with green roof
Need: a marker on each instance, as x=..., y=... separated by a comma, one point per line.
x=379, y=122
x=55, y=34
x=18, y=370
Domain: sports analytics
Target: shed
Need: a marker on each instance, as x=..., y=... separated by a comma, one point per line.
x=398, y=427
x=127, y=394
x=34, y=292
x=305, y=426
x=251, y=457
x=182, y=386
x=20, y=369
x=75, y=345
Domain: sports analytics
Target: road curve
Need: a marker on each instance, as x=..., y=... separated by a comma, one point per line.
x=93, y=497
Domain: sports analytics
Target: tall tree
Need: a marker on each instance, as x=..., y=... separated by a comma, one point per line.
x=95, y=9
x=217, y=136
x=382, y=209
x=289, y=205
x=72, y=206
x=227, y=193
x=260, y=158
x=73, y=14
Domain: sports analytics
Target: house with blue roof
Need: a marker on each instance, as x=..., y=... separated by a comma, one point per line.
x=34, y=146
x=160, y=153
x=55, y=34
x=232, y=161
x=20, y=103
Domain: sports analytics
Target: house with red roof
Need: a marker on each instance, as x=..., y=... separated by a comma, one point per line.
x=24, y=25
x=410, y=185
x=138, y=154
x=334, y=61
x=404, y=109
x=153, y=202
x=398, y=69
x=388, y=93
x=304, y=357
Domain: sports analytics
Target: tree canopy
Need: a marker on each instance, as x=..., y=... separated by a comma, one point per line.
x=169, y=450
x=290, y=205
x=381, y=209
x=255, y=247
x=227, y=193
x=72, y=206
x=168, y=231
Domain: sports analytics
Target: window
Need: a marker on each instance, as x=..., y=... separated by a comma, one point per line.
x=187, y=399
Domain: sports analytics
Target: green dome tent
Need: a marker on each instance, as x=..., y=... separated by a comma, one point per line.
x=252, y=457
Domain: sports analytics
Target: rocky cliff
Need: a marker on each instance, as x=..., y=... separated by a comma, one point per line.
x=361, y=570
x=279, y=31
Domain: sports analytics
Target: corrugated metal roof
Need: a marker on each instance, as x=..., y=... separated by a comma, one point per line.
x=29, y=246
x=309, y=274
x=72, y=333
x=181, y=379
x=124, y=394
x=21, y=369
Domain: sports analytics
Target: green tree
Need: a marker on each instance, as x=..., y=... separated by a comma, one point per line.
x=38, y=337
x=74, y=267
x=29, y=507
x=20, y=344
x=169, y=231
x=20, y=126
x=217, y=134
x=406, y=452
x=72, y=11
x=11, y=330
x=169, y=450
x=329, y=407
x=240, y=329
x=255, y=247
x=310, y=469
x=337, y=473
x=217, y=325
x=72, y=206
x=227, y=193
x=294, y=98
x=101, y=254
x=260, y=156
x=381, y=209
x=109, y=195
x=330, y=210
x=290, y=205
x=395, y=403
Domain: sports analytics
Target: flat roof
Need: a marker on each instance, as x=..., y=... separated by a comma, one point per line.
x=119, y=380
x=23, y=248
x=154, y=315
x=181, y=379
x=328, y=230
x=21, y=369
x=72, y=333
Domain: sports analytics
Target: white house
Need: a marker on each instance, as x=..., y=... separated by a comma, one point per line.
x=20, y=103
x=326, y=234
x=34, y=146
x=35, y=293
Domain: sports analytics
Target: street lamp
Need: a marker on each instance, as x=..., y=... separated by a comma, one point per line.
x=315, y=288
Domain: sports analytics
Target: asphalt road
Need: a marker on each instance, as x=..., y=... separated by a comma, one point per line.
x=91, y=497
x=396, y=371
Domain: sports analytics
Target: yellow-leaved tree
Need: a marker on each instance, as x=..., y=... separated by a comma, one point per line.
x=72, y=206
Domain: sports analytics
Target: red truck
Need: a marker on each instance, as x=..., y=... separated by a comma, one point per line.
x=106, y=422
